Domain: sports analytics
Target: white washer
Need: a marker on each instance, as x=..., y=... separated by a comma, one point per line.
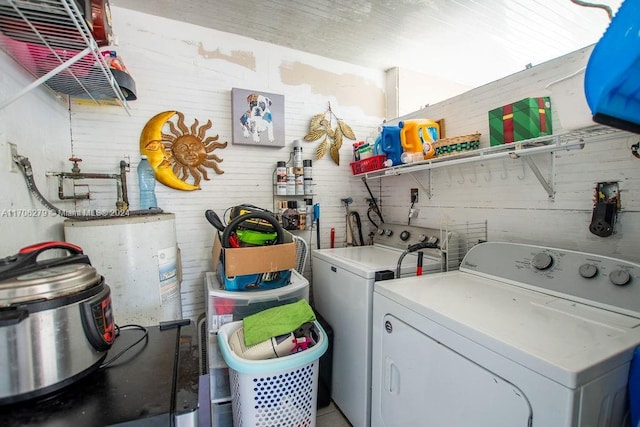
x=521, y=335
x=343, y=281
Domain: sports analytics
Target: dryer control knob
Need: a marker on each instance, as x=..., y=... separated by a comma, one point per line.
x=620, y=277
x=422, y=238
x=388, y=233
x=588, y=271
x=404, y=236
x=380, y=231
x=542, y=261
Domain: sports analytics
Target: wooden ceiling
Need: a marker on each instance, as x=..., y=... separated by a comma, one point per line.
x=471, y=42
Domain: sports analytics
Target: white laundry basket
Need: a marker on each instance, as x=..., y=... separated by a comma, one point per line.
x=273, y=392
x=568, y=98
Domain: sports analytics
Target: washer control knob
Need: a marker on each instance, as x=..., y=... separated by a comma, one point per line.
x=620, y=277
x=380, y=231
x=422, y=238
x=388, y=233
x=404, y=236
x=588, y=271
x=542, y=261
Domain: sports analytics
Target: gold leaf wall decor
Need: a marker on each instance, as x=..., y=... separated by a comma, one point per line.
x=321, y=125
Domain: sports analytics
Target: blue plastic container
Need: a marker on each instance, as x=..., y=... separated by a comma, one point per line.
x=612, y=77
x=253, y=282
x=388, y=143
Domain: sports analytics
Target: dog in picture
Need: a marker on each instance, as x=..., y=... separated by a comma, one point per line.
x=257, y=118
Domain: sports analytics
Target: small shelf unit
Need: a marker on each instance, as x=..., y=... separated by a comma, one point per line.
x=52, y=41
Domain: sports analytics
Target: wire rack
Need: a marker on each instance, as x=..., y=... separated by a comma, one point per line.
x=460, y=237
x=51, y=40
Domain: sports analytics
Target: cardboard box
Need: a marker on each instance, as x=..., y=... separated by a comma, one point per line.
x=255, y=259
x=521, y=120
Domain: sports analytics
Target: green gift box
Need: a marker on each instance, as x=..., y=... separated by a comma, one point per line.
x=524, y=119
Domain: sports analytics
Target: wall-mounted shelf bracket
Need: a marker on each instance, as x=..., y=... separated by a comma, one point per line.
x=426, y=189
x=46, y=77
x=549, y=184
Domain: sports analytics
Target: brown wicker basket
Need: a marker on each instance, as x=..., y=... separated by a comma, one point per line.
x=457, y=144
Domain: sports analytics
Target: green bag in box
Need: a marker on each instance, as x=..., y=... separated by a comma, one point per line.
x=524, y=119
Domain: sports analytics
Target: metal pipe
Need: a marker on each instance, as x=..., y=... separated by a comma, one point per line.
x=84, y=175
x=61, y=195
x=123, y=186
x=122, y=203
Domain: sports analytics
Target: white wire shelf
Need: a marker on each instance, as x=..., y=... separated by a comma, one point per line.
x=523, y=150
x=51, y=40
x=544, y=144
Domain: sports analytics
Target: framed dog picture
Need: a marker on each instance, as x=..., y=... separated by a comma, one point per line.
x=258, y=118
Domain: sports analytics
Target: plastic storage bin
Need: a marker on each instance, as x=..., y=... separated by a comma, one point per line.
x=273, y=392
x=369, y=164
x=227, y=306
x=219, y=385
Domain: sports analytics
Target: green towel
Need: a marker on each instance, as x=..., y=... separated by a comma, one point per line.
x=276, y=321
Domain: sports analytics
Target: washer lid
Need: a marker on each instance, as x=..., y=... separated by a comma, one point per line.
x=364, y=261
x=47, y=283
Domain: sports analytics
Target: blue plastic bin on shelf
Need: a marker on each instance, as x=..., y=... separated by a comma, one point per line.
x=612, y=77
x=280, y=391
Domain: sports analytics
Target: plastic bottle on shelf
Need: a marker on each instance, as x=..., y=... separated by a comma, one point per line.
x=297, y=154
x=308, y=179
x=291, y=182
x=147, y=185
x=408, y=157
x=281, y=178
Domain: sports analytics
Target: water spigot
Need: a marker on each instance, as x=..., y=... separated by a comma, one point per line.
x=75, y=168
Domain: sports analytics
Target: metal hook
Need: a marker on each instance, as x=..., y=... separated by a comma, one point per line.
x=523, y=170
x=487, y=177
x=450, y=178
x=475, y=175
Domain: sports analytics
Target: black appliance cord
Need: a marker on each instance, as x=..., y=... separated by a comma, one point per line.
x=373, y=199
x=356, y=215
x=145, y=335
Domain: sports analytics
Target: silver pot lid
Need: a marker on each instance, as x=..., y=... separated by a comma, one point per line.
x=47, y=283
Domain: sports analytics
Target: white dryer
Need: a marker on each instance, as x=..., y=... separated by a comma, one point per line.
x=521, y=335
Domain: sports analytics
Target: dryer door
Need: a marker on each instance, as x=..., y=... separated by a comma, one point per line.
x=424, y=383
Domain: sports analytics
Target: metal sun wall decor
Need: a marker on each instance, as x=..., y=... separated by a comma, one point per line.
x=258, y=118
x=321, y=125
x=181, y=154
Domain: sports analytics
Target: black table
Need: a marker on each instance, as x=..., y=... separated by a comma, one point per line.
x=151, y=384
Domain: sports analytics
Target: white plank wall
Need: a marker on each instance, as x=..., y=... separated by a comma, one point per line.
x=171, y=72
x=506, y=193
x=191, y=69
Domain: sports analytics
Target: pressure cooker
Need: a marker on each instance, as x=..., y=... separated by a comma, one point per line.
x=56, y=320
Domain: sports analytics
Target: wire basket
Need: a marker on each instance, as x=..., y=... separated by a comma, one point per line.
x=457, y=144
x=273, y=392
x=369, y=164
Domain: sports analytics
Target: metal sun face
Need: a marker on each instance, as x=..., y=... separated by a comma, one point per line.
x=190, y=152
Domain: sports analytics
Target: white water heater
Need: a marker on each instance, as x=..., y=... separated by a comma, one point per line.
x=139, y=258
